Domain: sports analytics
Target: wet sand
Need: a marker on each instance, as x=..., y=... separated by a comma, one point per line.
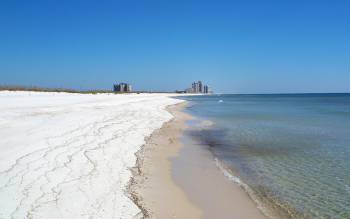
x=194, y=169
x=177, y=178
x=152, y=187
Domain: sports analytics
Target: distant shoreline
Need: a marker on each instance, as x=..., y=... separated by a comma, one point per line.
x=43, y=89
x=67, y=90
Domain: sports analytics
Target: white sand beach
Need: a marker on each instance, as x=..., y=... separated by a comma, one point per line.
x=178, y=178
x=69, y=155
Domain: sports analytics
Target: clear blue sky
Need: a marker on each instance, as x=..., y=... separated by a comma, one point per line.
x=241, y=46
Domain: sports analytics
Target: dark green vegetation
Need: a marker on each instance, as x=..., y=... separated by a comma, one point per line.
x=41, y=89
x=66, y=90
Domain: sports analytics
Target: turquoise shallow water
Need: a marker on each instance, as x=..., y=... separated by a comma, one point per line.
x=293, y=151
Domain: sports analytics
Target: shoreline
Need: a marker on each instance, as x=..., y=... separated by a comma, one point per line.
x=176, y=177
x=152, y=188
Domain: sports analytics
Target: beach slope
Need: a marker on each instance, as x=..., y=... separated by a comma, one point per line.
x=69, y=155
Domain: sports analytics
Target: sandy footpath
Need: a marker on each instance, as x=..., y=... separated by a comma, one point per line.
x=173, y=180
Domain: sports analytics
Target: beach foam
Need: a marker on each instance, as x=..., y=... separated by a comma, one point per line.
x=69, y=155
x=229, y=175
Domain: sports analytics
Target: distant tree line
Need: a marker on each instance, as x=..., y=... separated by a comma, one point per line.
x=42, y=89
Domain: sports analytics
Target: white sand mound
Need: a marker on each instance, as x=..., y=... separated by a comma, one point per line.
x=68, y=155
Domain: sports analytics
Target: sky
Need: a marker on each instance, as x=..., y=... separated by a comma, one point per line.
x=246, y=46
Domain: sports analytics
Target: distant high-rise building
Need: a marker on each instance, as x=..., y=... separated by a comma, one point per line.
x=189, y=90
x=122, y=87
x=200, y=87
x=205, y=89
x=195, y=87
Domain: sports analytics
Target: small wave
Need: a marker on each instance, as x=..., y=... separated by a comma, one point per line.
x=220, y=101
x=206, y=123
x=227, y=173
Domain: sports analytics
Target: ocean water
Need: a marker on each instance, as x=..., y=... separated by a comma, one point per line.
x=292, y=152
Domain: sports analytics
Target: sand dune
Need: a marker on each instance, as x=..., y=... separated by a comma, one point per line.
x=69, y=155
